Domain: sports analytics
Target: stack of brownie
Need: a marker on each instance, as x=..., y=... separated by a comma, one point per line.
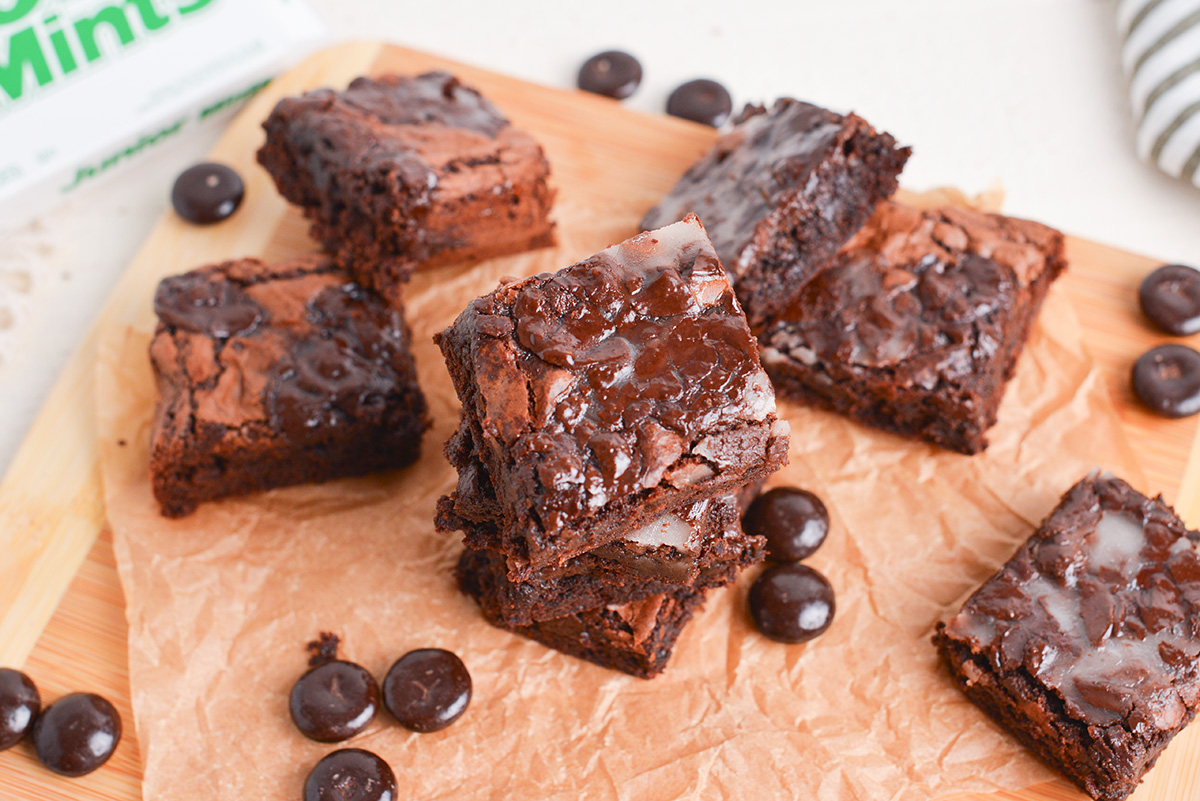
x=612, y=413
x=907, y=320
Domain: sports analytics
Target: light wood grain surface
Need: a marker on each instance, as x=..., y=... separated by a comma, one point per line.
x=61, y=608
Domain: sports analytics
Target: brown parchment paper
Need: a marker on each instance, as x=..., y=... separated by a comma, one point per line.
x=220, y=605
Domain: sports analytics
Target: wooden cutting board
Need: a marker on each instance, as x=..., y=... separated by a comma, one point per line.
x=61, y=608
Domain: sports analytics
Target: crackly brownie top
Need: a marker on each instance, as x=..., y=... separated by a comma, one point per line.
x=630, y=368
x=1101, y=606
x=403, y=130
x=296, y=346
x=432, y=98
x=767, y=158
x=930, y=290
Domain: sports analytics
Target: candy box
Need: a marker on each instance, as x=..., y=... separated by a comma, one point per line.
x=88, y=86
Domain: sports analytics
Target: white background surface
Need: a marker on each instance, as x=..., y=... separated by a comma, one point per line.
x=1024, y=93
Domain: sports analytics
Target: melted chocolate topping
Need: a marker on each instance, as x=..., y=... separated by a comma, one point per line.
x=434, y=98
x=206, y=305
x=747, y=173
x=621, y=365
x=408, y=114
x=929, y=289
x=303, y=349
x=1101, y=605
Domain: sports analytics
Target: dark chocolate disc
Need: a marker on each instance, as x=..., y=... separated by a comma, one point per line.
x=334, y=701
x=427, y=689
x=76, y=734
x=350, y=774
x=19, y=705
x=793, y=521
x=612, y=73
x=1170, y=298
x=791, y=603
x=1167, y=380
x=701, y=101
x=207, y=193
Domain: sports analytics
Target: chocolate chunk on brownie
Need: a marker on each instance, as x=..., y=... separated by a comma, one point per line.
x=399, y=173
x=916, y=325
x=781, y=192
x=635, y=637
x=1086, y=644
x=271, y=375
x=611, y=392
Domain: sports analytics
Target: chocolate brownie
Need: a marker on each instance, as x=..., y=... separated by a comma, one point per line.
x=781, y=192
x=916, y=325
x=587, y=582
x=1085, y=644
x=635, y=637
x=701, y=547
x=271, y=375
x=611, y=392
x=399, y=173
x=704, y=538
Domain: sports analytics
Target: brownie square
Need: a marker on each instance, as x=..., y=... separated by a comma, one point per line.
x=676, y=548
x=615, y=390
x=916, y=325
x=701, y=547
x=781, y=192
x=1085, y=645
x=635, y=637
x=270, y=375
x=399, y=173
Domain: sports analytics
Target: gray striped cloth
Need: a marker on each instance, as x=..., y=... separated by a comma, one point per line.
x=1161, y=56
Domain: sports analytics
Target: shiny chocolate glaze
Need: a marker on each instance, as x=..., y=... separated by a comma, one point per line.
x=632, y=368
x=752, y=171
x=1101, y=607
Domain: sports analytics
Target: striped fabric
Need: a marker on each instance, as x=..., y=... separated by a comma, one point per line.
x=1161, y=56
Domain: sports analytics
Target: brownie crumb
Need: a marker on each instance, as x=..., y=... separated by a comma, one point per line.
x=323, y=649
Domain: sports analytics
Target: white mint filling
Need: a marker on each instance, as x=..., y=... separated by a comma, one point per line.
x=669, y=530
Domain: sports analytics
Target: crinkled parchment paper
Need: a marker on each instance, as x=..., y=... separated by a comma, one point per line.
x=221, y=604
